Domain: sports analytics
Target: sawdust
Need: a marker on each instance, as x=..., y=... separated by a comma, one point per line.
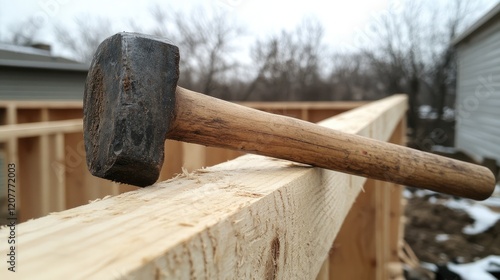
x=99, y=199
x=189, y=175
x=185, y=172
x=296, y=164
x=201, y=170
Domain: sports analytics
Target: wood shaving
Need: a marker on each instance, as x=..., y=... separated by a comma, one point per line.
x=186, y=224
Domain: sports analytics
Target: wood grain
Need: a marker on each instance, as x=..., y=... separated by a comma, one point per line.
x=78, y=186
x=251, y=217
x=209, y=121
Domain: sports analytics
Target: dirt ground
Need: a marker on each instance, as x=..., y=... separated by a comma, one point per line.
x=426, y=220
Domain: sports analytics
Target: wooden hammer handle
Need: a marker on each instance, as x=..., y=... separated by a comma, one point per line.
x=212, y=122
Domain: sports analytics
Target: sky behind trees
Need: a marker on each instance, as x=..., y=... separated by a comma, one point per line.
x=276, y=50
x=346, y=22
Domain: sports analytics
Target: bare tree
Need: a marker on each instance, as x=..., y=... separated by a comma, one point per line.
x=23, y=33
x=82, y=39
x=206, y=42
x=398, y=60
x=288, y=65
x=414, y=53
x=443, y=72
x=353, y=78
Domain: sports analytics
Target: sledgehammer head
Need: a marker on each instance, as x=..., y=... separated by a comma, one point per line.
x=128, y=106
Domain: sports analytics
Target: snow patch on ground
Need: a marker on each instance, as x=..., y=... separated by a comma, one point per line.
x=477, y=270
x=484, y=217
x=442, y=237
x=443, y=149
x=407, y=194
x=478, y=210
x=423, y=193
x=429, y=266
x=494, y=200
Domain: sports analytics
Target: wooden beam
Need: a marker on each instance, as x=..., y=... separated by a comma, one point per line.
x=251, y=217
x=68, y=104
x=287, y=105
x=382, y=227
x=323, y=272
x=28, y=193
x=39, y=128
x=43, y=172
x=58, y=174
x=353, y=255
x=370, y=238
x=43, y=169
x=397, y=205
x=174, y=155
x=194, y=156
x=37, y=104
x=77, y=178
x=11, y=119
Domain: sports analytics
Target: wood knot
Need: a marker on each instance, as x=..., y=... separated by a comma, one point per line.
x=272, y=261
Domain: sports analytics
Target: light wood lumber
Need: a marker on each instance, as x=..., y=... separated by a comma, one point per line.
x=67, y=104
x=304, y=115
x=250, y=217
x=28, y=179
x=353, y=254
x=382, y=242
x=365, y=241
x=396, y=206
x=323, y=273
x=58, y=178
x=44, y=159
x=43, y=172
x=37, y=104
x=174, y=155
x=76, y=171
x=330, y=105
x=79, y=180
x=39, y=128
x=11, y=145
x=194, y=156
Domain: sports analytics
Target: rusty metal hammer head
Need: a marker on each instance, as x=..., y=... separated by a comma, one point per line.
x=130, y=89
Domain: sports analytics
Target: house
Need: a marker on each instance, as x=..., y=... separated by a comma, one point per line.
x=478, y=89
x=32, y=73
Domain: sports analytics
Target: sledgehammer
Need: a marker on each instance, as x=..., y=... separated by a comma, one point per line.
x=132, y=104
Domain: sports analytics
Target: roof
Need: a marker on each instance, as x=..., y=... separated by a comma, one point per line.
x=44, y=65
x=29, y=57
x=489, y=17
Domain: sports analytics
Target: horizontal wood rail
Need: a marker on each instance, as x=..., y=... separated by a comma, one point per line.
x=252, y=217
x=40, y=128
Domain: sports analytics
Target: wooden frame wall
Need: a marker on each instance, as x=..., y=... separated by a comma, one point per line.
x=252, y=217
x=50, y=154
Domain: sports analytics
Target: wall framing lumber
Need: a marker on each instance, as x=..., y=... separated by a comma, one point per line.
x=40, y=128
x=80, y=186
x=250, y=217
x=371, y=237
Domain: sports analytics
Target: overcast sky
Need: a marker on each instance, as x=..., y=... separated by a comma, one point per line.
x=342, y=19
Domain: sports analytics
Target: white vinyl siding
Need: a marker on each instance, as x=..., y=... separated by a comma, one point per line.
x=41, y=84
x=478, y=99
